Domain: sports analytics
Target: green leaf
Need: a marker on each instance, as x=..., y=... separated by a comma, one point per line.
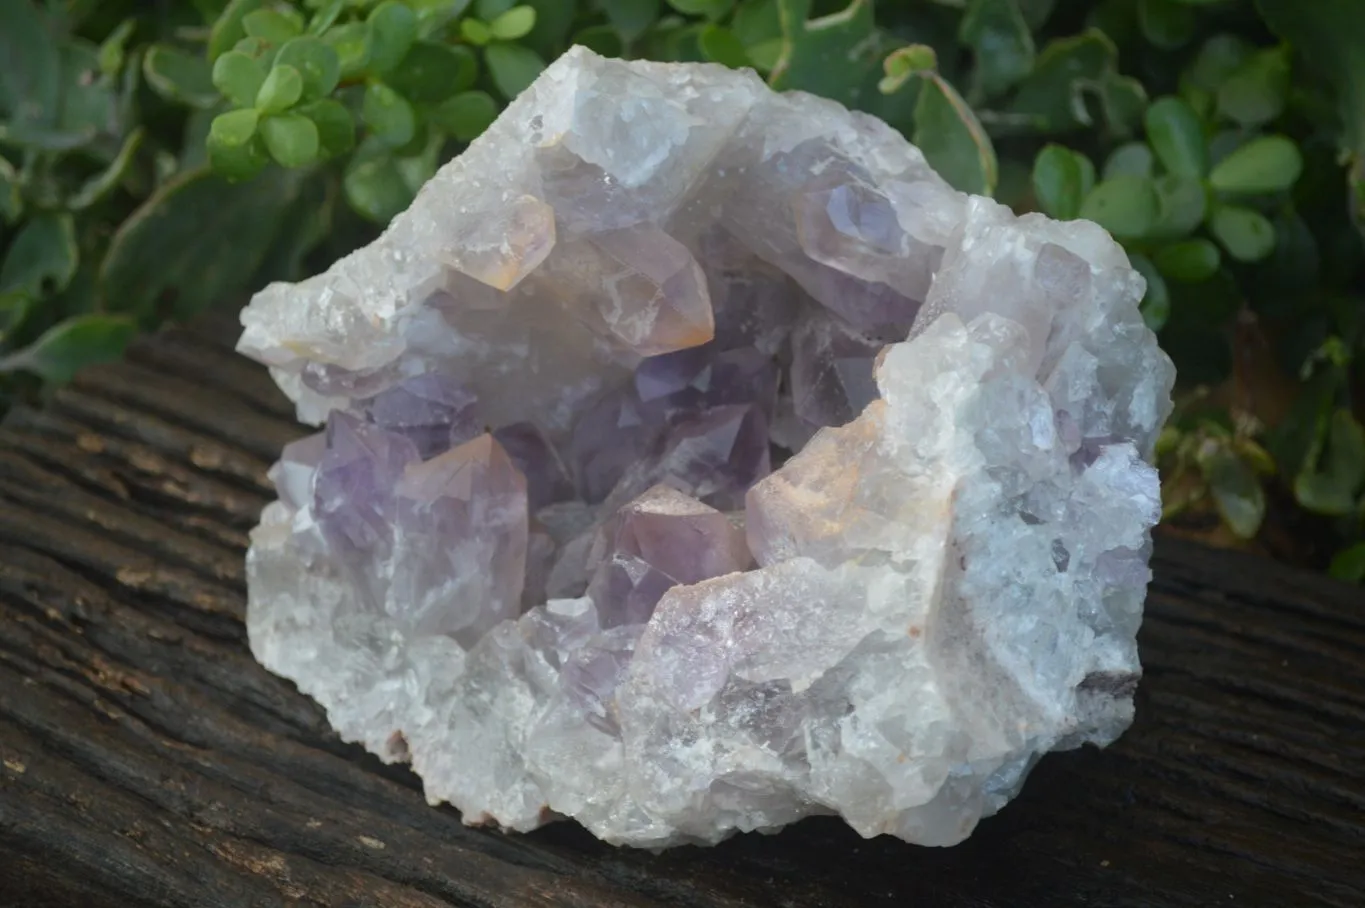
x=316, y=62
x=353, y=43
x=11, y=201
x=393, y=29
x=1182, y=204
x=1255, y=92
x=14, y=311
x=1328, y=483
x=104, y=182
x=30, y=65
x=1236, y=489
x=475, y=31
x=1190, y=261
x=1244, y=233
x=1059, y=182
x=711, y=9
x=336, y=128
x=239, y=78
x=432, y=72
x=228, y=28
x=179, y=76
x=276, y=25
x=1001, y=41
x=326, y=16
x=1168, y=24
x=1156, y=301
x=600, y=39
x=838, y=56
x=1177, y=137
x=1349, y=564
x=719, y=45
x=70, y=346
x=952, y=139
x=113, y=48
x=466, y=115
x=375, y=189
x=632, y=18
x=905, y=63
x=488, y=10
x=1219, y=58
x=1125, y=205
x=516, y=23
x=291, y=139
x=512, y=67
x=281, y=90
x=1328, y=35
x=1049, y=96
x=554, y=18
x=1129, y=159
x=42, y=257
x=198, y=240
x=388, y=115
x=235, y=149
x=1265, y=164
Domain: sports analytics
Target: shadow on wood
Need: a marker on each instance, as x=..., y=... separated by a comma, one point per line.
x=146, y=759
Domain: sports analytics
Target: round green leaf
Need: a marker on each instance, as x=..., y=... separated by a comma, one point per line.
x=1130, y=159
x=11, y=199
x=42, y=257
x=276, y=25
x=106, y=181
x=719, y=45
x=1265, y=164
x=1166, y=23
x=488, y=10
x=1246, y=234
x=600, y=39
x=236, y=127
x=512, y=67
x=1190, y=261
x=179, y=76
x=432, y=72
x=1182, y=204
x=466, y=115
x=952, y=138
x=1217, y=59
x=227, y=28
x=316, y=62
x=632, y=18
x=352, y=43
x=1236, y=489
x=68, y=347
x=1177, y=137
x=516, y=23
x=1058, y=182
x=239, y=78
x=1125, y=205
x=1333, y=473
x=336, y=128
x=388, y=115
x=375, y=189
x=1349, y=564
x=1255, y=92
x=291, y=138
x=475, y=32
x=281, y=90
x=1156, y=302
x=393, y=29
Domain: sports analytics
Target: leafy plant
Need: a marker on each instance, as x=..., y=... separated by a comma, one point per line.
x=159, y=158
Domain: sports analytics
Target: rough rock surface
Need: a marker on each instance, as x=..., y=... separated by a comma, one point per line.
x=695, y=460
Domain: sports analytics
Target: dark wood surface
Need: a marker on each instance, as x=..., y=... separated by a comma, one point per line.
x=145, y=759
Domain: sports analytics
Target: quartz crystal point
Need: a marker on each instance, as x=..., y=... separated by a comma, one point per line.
x=696, y=459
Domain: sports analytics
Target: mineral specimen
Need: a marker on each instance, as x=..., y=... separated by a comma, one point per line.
x=696, y=459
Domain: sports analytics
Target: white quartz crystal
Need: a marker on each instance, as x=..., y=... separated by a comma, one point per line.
x=837, y=481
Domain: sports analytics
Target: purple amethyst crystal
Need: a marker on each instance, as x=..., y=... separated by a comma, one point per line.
x=433, y=411
x=547, y=480
x=352, y=492
x=831, y=370
x=659, y=540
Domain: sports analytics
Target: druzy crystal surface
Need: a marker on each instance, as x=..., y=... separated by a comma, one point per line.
x=694, y=459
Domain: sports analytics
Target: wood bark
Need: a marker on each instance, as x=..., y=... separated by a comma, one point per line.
x=147, y=760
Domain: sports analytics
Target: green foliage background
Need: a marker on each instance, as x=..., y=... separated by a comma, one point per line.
x=160, y=157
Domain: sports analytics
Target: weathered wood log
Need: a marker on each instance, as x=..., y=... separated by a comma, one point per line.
x=146, y=759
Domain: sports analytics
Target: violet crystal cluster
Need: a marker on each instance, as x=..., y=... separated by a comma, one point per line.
x=695, y=459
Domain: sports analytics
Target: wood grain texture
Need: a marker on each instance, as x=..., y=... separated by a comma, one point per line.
x=145, y=759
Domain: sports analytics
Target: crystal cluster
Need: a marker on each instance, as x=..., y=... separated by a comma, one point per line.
x=695, y=459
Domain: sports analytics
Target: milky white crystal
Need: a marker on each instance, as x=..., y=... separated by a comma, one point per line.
x=618, y=606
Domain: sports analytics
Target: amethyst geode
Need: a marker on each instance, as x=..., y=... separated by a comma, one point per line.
x=695, y=459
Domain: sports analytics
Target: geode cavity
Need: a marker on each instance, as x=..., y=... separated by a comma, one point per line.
x=696, y=459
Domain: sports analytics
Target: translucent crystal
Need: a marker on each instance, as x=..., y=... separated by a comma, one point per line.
x=696, y=459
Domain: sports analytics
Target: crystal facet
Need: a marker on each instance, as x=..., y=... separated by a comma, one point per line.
x=696, y=459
